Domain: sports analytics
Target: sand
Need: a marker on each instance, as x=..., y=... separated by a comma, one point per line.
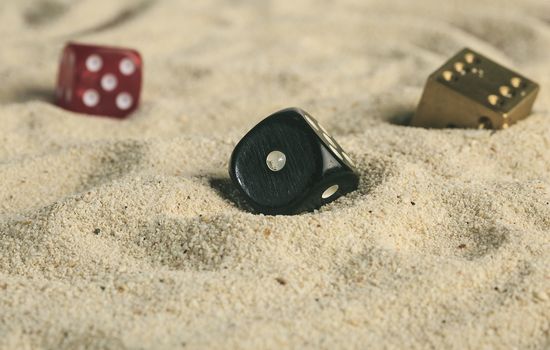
x=129, y=235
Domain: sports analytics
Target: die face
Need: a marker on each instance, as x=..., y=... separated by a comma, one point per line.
x=327, y=140
x=99, y=80
x=65, y=79
x=284, y=165
x=484, y=81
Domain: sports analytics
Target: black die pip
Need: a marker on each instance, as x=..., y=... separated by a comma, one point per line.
x=288, y=164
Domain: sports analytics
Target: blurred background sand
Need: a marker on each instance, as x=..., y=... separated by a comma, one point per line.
x=128, y=234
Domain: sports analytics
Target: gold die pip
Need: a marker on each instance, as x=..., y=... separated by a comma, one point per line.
x=471, y=91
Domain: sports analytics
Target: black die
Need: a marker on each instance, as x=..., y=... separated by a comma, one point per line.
x=288, y=164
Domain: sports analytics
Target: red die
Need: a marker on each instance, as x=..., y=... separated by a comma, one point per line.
x=99, y=80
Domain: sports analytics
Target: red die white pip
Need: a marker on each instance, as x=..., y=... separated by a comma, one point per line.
x=99, y=80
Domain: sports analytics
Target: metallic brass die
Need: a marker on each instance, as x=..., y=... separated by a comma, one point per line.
x=471, y=91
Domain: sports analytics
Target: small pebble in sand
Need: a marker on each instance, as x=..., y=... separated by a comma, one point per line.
x=541, y=295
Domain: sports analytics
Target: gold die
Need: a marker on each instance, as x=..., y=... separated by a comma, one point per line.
x=471, y=91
